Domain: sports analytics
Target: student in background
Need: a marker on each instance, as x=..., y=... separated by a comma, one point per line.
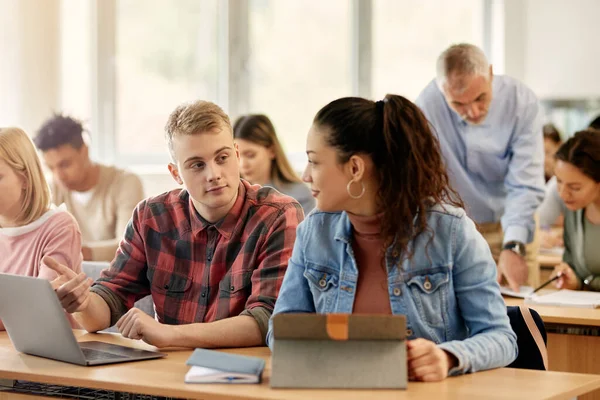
x=212, y=254
x=100, y=197
x=389, y=237
x=489, y=131
x=30, y=227
x=578, y=176
x=263, y=161
x=552, y=142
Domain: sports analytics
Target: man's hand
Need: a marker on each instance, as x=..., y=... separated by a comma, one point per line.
x=514, y=268
x=427, y=362
x=568, y=279
x=136, y=324
x=72, y=289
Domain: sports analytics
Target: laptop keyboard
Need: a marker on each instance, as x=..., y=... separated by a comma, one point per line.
x=96, y=355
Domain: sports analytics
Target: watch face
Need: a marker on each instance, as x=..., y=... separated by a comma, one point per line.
x=516, y=247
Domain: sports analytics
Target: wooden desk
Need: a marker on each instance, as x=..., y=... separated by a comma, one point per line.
x=164, y=377
x=575, y=351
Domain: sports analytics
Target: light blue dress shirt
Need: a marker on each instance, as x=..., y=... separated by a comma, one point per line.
x=496, y=167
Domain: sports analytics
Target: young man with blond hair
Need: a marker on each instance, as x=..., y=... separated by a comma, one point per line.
x=212, y=254
x=489, y=131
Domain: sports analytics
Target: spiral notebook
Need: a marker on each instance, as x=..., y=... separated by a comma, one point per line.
x=210, y=366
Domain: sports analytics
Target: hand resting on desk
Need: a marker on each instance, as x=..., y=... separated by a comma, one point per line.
x=136, y=324
x=514, y=268
x=427, y=362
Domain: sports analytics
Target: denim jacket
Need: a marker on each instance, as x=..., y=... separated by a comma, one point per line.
x=448, y=290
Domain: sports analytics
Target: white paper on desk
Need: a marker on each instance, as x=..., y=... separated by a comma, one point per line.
x=523, y=293
x=198, y=374
x=553, y=251
x=567, y=298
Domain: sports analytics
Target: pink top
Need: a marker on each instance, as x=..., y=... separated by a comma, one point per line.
x=372, y=287
x=54, y=234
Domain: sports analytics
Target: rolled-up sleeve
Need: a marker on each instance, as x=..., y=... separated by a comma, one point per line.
x=273, y=260
x=491, y=343
x=125, y=281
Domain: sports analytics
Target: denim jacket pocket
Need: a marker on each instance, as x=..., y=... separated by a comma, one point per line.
x=323, y=283
x=429, y=291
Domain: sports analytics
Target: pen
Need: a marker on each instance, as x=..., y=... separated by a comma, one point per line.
x=547, y=282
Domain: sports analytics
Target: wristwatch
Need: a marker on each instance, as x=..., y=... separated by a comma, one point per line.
x=586, y=282
x=516, y=247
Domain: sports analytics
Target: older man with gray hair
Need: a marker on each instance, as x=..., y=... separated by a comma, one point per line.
x=489, y=127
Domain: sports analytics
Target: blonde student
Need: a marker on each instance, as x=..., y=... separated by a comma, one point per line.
x=212, y=253
x=389, y=237
x=263, y=161
x=577, y=173
x=30, y=227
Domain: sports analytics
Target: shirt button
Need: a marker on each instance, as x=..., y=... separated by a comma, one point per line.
x=323, y=283
x=232, y=288
x=203, y=294
x=409, y=332
x=166, y=287
x=397, y=292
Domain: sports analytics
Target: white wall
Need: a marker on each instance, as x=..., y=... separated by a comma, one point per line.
x=30, y=62
x=155, y=179
x=554, y=46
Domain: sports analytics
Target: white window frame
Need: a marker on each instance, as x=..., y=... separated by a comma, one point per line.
x=233, y=78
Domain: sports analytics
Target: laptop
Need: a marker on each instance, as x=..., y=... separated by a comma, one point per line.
x=36, y=324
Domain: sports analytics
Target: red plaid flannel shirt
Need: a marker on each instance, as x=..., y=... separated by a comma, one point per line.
x=198, y=272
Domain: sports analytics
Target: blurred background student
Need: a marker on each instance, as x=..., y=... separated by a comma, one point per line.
x=30, y=227
x=552, y=142
x=100, y=197
x=263, y=161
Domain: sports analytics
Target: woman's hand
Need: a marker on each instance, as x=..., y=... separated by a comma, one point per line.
x=427, y=362
x=568, y=279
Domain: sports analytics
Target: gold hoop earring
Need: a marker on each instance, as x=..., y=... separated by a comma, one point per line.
x=350, y=192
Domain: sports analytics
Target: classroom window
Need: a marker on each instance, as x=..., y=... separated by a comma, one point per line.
x=299, y=61
x=408, y=37
x=165, y=54
x=76, y=59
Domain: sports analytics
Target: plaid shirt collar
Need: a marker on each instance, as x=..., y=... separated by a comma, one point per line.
x=224, y=226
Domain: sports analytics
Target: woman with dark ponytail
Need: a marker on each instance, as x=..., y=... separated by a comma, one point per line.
x=389, y=236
